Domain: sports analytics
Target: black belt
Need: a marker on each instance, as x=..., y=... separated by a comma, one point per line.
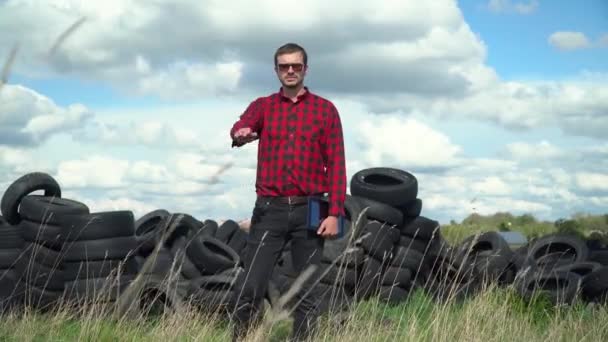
x=288, y=199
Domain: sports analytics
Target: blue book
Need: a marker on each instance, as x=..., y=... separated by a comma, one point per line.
x=318, y=210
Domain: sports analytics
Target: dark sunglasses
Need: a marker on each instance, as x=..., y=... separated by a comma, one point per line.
x=297, y=67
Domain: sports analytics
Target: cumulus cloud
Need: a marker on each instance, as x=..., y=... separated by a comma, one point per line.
x=507, y=6
x=392, y=140
x=568, y=40
x=28, y=118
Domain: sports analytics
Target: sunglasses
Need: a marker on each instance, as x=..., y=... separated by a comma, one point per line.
x=297, y=67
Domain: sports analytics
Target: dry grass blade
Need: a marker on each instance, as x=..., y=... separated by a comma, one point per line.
x=214, y=179
x=6, y=69
x=66, y=34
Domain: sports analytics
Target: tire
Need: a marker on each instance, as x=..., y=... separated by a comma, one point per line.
x=50, y=236
x=489, y=252
x=10, y=236
x=404, y=257
x=49, y=210
x=387, y=185
x=225, y=231
x=210, y=255
x=77, y=270
x=397, y=276
x=421, y=227
x=381, y=212
x=595, y=285
x=23, y=186
x=146, y=228
x=96, y=226
x=393, y=295
x=560, y=287
x=354, y=223
x=582, y=268
x=564, y=249
x=102, y=249
x=381, y=240
x=412, y=209
x=98, y=289
x=41, y=276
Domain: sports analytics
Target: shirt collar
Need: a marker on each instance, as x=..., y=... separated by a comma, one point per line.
x=298, y=98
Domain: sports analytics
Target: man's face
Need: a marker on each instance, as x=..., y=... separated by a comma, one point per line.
x=291, y=69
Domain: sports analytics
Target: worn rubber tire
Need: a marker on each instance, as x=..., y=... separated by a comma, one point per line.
x=99, y=225
x=49, y=210
x=380, y=211
x=392, y=186
x=22, y=187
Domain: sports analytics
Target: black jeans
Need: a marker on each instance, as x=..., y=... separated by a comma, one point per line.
x=272, y=225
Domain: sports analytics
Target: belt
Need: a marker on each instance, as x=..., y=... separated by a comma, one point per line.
x=288, y=199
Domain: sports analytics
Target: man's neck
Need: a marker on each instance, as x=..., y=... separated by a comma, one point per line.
x=293, y=93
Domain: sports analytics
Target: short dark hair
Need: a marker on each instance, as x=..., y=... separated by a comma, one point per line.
x=290, y=48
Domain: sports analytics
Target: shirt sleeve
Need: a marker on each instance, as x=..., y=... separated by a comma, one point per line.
x=336, y=163
x=251, y=117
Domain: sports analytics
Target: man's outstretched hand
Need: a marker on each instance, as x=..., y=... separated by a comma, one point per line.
x=243, y=136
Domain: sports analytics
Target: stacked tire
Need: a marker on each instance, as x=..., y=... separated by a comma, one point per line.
x=11, y=245
x=99, y=252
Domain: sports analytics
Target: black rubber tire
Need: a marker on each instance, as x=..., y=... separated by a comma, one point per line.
x=393, y=295
x=421, y=227
x=99, y=225
x=41, y=276
x=370, y=280
x=404, y=257
x=238, y=240
x=397, y=276
x=488, y=251
x=102, y=249
x=47, y=235
x=381, y=212
x=581, y=268
x=214, y=282
x=392, y=186
x=209, y=227
x=412, y=209
x=560, y=287
x=354, y=224
x=600, y=256
x=49, y=210
x=188, y=269
x=146, y=229
x=595, y=285
x=8, y=257
x=338, y=275
x=571, y=249
x=10, y=236
x=22, y=187
x=42, y=254
x=76, y=270
x=381, y=239
x=30, y=296
x=225, y=231
x=415, y=244
x=211, y=255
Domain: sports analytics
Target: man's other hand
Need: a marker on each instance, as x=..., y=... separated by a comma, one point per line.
x=243, y=136
x=329, y=227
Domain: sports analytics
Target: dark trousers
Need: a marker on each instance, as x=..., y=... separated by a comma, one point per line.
x=272, y=225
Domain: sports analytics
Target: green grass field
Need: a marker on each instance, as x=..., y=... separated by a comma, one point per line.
x=494, y=314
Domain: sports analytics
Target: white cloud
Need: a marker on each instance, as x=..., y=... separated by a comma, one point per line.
x=28, y=118
x=541, y=150
x=93, y=172
x=396, y=141
x=491, y=185
x=500, y=6
x=568, y=40
x=590, y=181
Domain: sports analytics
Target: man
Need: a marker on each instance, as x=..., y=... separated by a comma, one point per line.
x=300, y=154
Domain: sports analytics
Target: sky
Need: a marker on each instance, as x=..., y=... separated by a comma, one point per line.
x=494, y=105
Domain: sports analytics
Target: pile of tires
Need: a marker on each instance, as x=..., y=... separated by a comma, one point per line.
x=54, y=251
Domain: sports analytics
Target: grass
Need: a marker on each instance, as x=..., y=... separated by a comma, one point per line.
x=496, y=314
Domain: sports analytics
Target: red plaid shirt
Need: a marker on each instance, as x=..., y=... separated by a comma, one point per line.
x=301, y=147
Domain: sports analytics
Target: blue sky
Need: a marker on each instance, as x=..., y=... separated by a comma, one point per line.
x=519, y=129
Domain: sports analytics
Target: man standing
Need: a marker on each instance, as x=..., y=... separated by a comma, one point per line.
x=300, y=154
